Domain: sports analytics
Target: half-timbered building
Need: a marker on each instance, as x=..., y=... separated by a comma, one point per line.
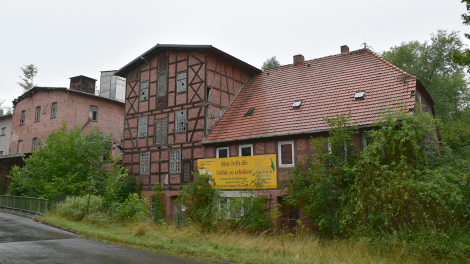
x=175, y=95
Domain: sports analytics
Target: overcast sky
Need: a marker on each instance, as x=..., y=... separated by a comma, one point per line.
x=69, y=38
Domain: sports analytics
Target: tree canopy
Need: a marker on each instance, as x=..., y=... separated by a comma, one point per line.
x=431, y=61
x=29, y=72
x=6, y=109
x=70, y=163
x=270, y=63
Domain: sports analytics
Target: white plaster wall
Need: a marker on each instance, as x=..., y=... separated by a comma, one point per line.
x=5, y=121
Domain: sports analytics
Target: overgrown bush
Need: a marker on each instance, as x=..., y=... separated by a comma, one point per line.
x=200, y=200
x=245, y=213
x=76, y=208
x=91, y=208
x=207, y=209
x=132, y=208
x=158, y=202
x=402, y=181
x=119, y=185
x=70, y=163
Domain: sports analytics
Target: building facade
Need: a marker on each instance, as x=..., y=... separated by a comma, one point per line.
x=5, y=132
x=190, y=102
x=42, y=110
x=175, y=95
x=281, y=109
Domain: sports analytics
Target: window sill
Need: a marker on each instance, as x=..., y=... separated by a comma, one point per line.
x=286, y=166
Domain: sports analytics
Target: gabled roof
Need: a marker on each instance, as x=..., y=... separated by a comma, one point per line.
x=161, y=47
x=326, y=87
x=38, y=89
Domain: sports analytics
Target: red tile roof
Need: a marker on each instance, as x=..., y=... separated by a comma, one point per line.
x=326, y=87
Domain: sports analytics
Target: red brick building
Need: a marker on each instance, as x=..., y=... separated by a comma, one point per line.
x=288, y=105
x=187, y=102
x=41, y=110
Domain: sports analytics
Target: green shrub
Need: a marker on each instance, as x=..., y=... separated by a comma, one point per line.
x=402, y=181
x=119, y=185
x=200, y=199
x=158, y=202
x=76, y=208
x=132, y=208
x=70, y=163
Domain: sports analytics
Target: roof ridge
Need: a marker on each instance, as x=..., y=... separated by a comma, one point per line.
x=391, y=65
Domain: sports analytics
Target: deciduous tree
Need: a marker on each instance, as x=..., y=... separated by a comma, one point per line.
x=29, y=72
x=270, y=63
x=70, y=163
x=431, y=61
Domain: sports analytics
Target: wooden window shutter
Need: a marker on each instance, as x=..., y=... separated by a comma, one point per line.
x=144, y=90
x=162, y=86
x=181, y=82
x=142, y=126
x=181, y=120
x=145, y=163
x=186, y=171
x=161, y=131
x=162, y=81
x=162, y=65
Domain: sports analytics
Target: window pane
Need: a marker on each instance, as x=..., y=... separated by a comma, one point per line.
x=286, y=154
x=223, y=153
x=246, y=151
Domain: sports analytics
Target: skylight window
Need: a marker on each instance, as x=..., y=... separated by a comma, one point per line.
x=296, y=104
x=360, y=95
x=250, y=112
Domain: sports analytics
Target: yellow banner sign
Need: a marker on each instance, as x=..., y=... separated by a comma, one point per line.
x=241, y=172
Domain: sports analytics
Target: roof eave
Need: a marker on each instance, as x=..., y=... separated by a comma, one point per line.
x=123, y=70
x=279, y=135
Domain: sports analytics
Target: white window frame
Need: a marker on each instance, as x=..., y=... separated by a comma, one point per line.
x=175, y=164
x=1, y=153
x=217, y=152
x=279, y=154
x=244, y=146
x=144, y=163
x=4, y=129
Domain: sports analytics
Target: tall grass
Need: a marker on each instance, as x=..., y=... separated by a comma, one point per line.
x=241, y=247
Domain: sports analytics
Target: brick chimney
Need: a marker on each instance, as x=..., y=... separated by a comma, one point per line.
x=298, y=59
x=83, y=84
x=344, y=49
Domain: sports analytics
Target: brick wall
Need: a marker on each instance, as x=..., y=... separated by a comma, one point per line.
x=73, y=108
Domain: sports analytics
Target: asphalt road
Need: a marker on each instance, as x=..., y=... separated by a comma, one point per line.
x=24, y=241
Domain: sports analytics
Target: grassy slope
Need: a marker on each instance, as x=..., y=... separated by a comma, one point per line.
x=236, y=247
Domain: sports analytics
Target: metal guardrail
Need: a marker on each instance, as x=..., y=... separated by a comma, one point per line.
x=27, y=204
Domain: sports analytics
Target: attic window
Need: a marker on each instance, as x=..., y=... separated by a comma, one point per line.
x=250, y=112
x=296, y=104
x=360, y=95
x=413, y=93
